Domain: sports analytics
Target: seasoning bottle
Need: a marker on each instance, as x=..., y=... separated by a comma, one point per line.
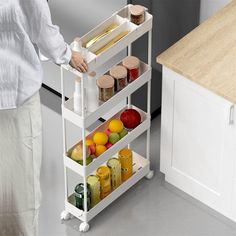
x=79, y=196
x=126, y=160
x=137, y=14
x=94, y=185
x=106, y=87
x=119, y=73
x=104, y=175
x=133, y=66
x=115, y=168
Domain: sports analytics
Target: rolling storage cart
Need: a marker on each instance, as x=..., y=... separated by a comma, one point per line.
x=141, y=165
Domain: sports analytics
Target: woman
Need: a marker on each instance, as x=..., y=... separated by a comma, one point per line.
x=25, y=28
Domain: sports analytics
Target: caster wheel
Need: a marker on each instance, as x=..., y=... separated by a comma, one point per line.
x=84, y=227
x=150, y=174
x=65, y=215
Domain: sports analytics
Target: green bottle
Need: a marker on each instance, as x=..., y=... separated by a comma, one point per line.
x=79, y=196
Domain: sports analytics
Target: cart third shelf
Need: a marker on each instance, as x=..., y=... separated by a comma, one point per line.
x=132, y=135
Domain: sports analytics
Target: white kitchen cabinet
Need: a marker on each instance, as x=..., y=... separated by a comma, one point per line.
x=198, y=142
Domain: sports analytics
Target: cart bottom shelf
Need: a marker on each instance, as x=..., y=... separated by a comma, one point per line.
x=141, y=168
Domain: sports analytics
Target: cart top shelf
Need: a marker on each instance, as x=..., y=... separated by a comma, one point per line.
x=124, y=33
x=207, y=55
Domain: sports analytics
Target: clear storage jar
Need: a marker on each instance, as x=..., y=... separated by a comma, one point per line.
x=106, y=87
x=137, y=14
x=119, y=73
x=133, y=66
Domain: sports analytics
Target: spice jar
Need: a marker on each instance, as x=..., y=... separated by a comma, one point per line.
x=119, y=73
x=133, y=66
x=106, y=87
x=137, y=14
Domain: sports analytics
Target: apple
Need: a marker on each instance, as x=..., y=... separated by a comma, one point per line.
x=114, y=138
x=123, y=133
x=109, y=145
x=130, y=118
x=108, y=132
x=92, y=149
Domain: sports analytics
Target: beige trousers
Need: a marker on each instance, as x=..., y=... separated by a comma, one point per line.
x=20, y=163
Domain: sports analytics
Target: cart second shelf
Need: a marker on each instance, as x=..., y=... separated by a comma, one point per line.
x=68, y=110
x=132, y=135
x=141, y=167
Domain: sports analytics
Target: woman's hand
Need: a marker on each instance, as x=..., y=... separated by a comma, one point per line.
x=78, y=62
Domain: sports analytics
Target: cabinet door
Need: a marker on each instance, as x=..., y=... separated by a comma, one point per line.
x=196, y=154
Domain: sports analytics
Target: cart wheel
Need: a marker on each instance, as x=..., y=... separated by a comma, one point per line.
x=150, y=174
x=84, y=227
x=65, y=215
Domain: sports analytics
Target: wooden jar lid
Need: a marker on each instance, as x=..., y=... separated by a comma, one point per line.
x=118, y=72
x=137, y=10
x=131, y=62
x=105, y=81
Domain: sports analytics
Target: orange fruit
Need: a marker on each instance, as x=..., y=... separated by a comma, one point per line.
x=89, y=142
x=100, y=149
x=100, y=138
x=116, y=126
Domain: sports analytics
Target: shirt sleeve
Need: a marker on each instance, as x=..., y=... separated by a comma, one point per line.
x=44, y=34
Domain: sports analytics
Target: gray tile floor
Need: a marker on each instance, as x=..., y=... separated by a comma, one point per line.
x=151, y=207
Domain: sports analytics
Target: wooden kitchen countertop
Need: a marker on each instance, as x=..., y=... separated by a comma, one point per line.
x=207, y=55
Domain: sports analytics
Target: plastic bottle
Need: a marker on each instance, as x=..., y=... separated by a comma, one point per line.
x=92, y=93
x=77, y=96
x=77, y=47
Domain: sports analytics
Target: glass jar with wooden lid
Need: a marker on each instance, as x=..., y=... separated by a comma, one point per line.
x=137, y=14
x=133, y=66
x=119, y=73
x=106, y=87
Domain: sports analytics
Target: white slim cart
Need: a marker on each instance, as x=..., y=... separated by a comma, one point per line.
x=141, y=164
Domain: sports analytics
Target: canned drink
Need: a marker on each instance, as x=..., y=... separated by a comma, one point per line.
x=126, y=160
x=104, y=175
x=94, y=184
x=115, y=169
x=79, y=196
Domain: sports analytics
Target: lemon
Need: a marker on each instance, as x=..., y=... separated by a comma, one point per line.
x=116, y=126
x=100, y=149
x=100, y=138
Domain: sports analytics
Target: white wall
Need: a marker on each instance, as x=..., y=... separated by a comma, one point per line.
x=210, y=7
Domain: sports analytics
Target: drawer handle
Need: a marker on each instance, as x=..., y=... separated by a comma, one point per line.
x=231, y=115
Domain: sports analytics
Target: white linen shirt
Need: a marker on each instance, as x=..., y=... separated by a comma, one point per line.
x=25, y=28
